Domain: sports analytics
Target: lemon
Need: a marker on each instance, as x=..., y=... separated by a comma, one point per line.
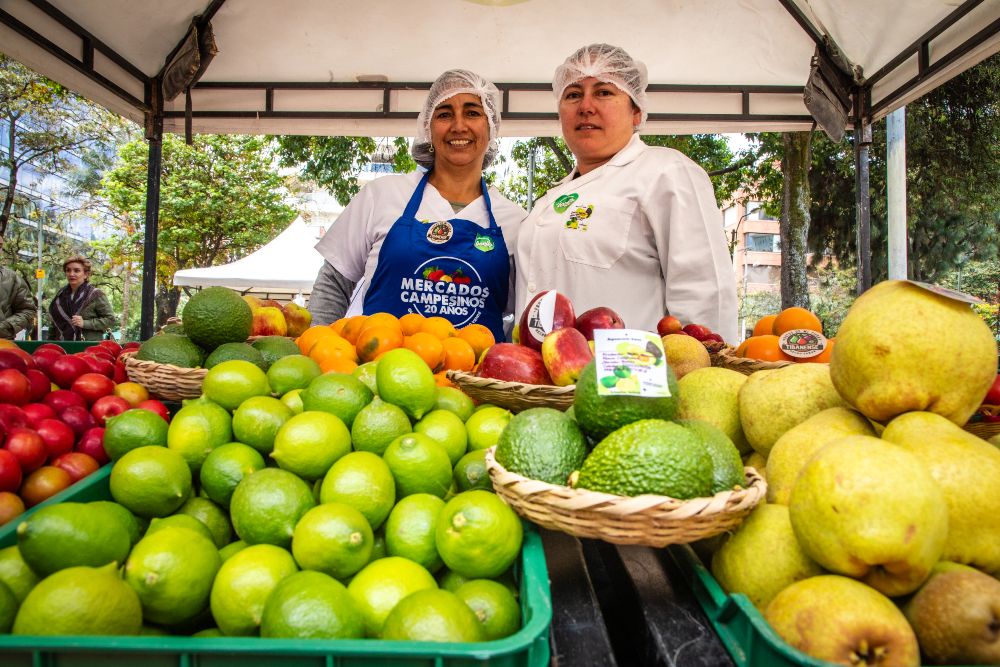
x=309, y=443
x=363, y=481
x=293, y=400
x=445, y=428
x=131, y=429
x=419, y=465
x=366, y=373
x=80, y=601
x=450, y=580
x=178, y=521
x=197, y=429
x=212, y=516
x=409, y=530
x=471, y=473
x=378, y=546
x=128, y=520
x=71, y=534
x=295, y=371
x=267, y=505
x=311, y=605
x=231, y=549
x=15, y=573
x=378, y=424
x=333, y=538
x=232, y=382
x=381, y=584
x=243, y=585
x=494, y=605
x=339, y=394
x=257, y=420
x=478, y=535
x=8, y=608
x=454, y=400
x=225, y=467
x=485, y=426
x=209, y=632
x=404, y=379
x=432, y=616
x=151, y=481
x=172, y=570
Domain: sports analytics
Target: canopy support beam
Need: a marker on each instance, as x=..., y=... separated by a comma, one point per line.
x=862, y=194
x=154, y=135
x=896, y=186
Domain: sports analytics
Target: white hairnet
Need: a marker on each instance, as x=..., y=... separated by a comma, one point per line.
x=451, y=83
x=607, y=63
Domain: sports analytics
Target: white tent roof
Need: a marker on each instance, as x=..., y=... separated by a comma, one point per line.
x=286, y=265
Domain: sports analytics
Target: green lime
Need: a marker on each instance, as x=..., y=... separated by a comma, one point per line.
x=209, y=632
x=432, y=616
x=363, y=481
x=197, y=429
x=450, y=580
x=419, y=465
x=267, y=505
x=409, y=530
x=172, y=570
x=243, y=585
x=295, y=371
x=405, y=380
x=445, y=428
x=455, y=400
x=179, y=521
x=293, y=400
x=131, y=429
x=494, y=605
x=311, y=605
x=333, y=538
x=485, y=426
x=214, y=517
x=478, y=535
x=8, y=608
x=309, y=443
x=151, y=481
x=378, y=424
x=275, y=347
x=378, y=546
x=80, y=601
x=483, y=406
x=366, y=373
x=232, y=382
x=471, y=473
x=381, y=584
x=339, y=394
x=225, y=467
x=257, y=421
x=70, y=534
x=231, y=549
x=15, y=573
x=229, y=351
x=128, y=520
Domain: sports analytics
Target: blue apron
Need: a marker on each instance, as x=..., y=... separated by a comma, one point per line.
x=453, y=269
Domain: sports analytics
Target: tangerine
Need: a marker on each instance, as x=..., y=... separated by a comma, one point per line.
x=458, y=354
x=311, y=336
x=478, y=336
x=824, y=356
x=441, y=379
x=764, y=325
x=352, y=328
x=411, y=323
x=338, y=326
x=374, y=340
x=428, y=347
x=338, y=364
x=796, y=318
x=332, y=345
x=380, y=319
x=765, y=348
x=439, y=327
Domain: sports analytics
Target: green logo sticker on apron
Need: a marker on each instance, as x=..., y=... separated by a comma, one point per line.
x=483, y=243
x=562, y=203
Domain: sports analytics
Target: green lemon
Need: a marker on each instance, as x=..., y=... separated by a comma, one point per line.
x=378, y=546
x=494, y=605
x=197, y=429
x=232, y=382
x=405, y=380
x=257, y=420
x=378, y=424
x=293, y=400
x=363, y=481
x=339, y=394
x=309, y=443
x=410, y=528
x=231, y=549
x=151, y=481
x=483, y=406
x=311, y=605
x=243, y=584
x=128, y=520
x=80, y=601
x=455, y=400
x=485, y=426
x=471, y=473
x=8, y=608
x=267, y=505
x=225, y=467
x=69, y=534
x=333, y=538
x=432, y=616
x=419, y=465
x=295, y=371
x=478, y=535
x=15, y=573
x=179, y=521
x=212, y=516
x=381, y=584
x=366, y=373
x=172, y=570
x=132, y=429
x=450, y=580
x=445, y=428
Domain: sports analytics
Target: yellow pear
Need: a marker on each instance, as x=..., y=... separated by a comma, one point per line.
x=756, y=461
x=967, y=469
x=685, y=354
x=712, y=395
x=903, y=348
x=799, y=443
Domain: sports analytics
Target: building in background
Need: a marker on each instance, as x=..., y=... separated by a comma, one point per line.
x=755, y=242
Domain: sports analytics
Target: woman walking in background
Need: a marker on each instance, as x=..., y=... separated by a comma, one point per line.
x=79, y=311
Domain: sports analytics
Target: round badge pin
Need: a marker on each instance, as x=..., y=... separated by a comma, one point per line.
x=440, y=232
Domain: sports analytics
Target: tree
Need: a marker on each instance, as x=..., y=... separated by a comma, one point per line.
x=795, y=218
x=220, y=199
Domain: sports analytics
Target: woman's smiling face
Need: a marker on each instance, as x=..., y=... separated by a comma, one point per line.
x=460, y=131
x=598, y=119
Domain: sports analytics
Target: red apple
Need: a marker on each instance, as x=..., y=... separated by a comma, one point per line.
x=12, y=417
x=40, y=385
x=93, y=386
x=10, y=471
x=77, y=418
x=14, y=387
x=92, y=444
x=121, y=375
x=36, y=412
x=667, y=325
x=993, y=395
x=111, y=346
x=156, y=406
x=66, y=369
x=697, y=331
x=77, y=464
x=513, y=363
x=547, y=311
x=108, y=406
x=11, y=506
x=598, y=318
x=29, y=361
x=44, y=483
x=102, y=364
x=43, y=360
x=27, y=447
x=60, y=399
x=131, y=345
x=9, y=359
x=565, y=352
x=58, y=349
x=58, y=437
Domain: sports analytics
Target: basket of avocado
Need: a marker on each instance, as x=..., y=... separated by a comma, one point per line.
x=167, y=381
x=514, y=396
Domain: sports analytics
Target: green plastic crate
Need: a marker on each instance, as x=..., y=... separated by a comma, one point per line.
x=529, y=647
x=70, y=346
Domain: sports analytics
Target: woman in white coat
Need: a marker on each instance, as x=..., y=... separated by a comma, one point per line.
x=633, y=227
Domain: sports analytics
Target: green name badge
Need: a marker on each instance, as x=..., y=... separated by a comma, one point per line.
x=483, y=243
x=562, y=203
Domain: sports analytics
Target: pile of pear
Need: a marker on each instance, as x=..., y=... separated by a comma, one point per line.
x=879, y=543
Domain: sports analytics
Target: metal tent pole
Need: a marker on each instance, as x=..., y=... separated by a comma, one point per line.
x=154, y=134
x=862, y=196
x=896, y=186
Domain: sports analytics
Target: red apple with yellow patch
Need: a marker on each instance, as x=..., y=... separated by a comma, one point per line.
x=547, y=311
x=268, y=321
x=297, y=318
x=513, y=363
x=565, y=352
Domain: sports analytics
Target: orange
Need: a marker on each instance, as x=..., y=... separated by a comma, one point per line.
x=741, y=349
x=380, y=319
x=764, y=325
x=765, y=348
x=411, y=323
x=338, y=364
x=332, y=345
x=353, y=327
x=428, y=347
x=796, y=318
x=441, y=380
x=374, y=340
x=458, y=355
x=311, y=336
x=338, y=326
x=7, y=344
x=439, y=327
x=824, y=356
x=478, y=336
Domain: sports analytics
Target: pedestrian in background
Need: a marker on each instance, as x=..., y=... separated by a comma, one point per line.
x=79, y=311
x=17, y=306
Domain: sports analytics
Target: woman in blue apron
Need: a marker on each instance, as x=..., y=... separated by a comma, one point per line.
x=437, y=243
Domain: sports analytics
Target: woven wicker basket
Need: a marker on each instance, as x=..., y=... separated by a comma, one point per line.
x=985, y=430
x=725, y=358
x=513, y=395
x=171, y=383
x=654, y=521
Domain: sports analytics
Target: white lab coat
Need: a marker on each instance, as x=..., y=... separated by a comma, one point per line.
x=643, y=236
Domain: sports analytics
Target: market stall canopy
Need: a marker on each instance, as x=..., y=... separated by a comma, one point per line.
x=352, y=67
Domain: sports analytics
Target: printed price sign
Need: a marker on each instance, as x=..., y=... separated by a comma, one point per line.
x=630, y=362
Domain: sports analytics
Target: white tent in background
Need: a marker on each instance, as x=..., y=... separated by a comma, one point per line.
x=286, y=266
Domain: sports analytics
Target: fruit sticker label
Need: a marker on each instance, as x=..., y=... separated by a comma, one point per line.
x=541, y=315
x=440, y=232
x=562, y=203
x=445, y=286
x=483, y=243
x=802, y=343
x=630, y=362
x=578, y=218
x=949, y=293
